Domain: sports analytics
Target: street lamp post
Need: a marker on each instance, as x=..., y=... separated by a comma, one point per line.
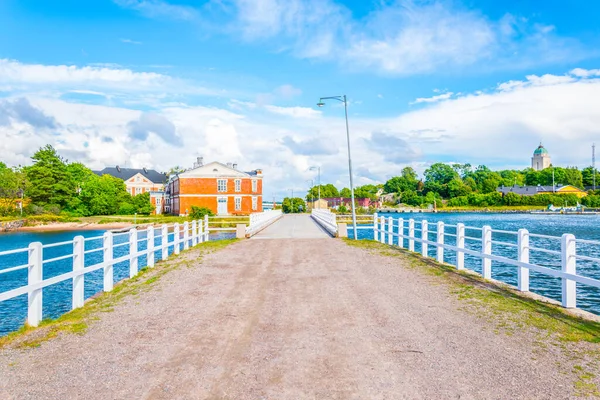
x=312, y=197
x=318, y=169
x=344, y=100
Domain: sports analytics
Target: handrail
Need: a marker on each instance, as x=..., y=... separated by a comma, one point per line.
x=174, y=237
x=326, y=219
x=383, y=229
x=259, y=221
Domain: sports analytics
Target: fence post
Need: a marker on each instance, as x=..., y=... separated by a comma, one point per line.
x=34, y=275
x=400, y=232
x=424, y=237
x=175, y=238
x=375, y=233
x=150, y=246
x=522, y=272
x=107, y=246
x=460, y=244
x=200, y=231
x=78, y=265
x=411, y=234
x=382, y=230
x=164, y=242
x=194, y=233
x=440, y=242
x=390, y=231
x=186, y=235
x=206, y=230
x=569, y=265
x=133, y=260
x=486, y=248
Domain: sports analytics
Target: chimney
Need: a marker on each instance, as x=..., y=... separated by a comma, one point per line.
x=234, y=165
x=229, y=165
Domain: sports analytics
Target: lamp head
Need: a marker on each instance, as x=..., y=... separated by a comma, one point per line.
x=320, y=103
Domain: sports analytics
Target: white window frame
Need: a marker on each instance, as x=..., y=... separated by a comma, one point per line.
x=238, y=203
x=238, y=185
x=221, y=187
x=254, y=203
x=254, y=185
x=138, y=190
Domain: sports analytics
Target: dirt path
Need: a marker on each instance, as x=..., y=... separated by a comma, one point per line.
x=287, y=319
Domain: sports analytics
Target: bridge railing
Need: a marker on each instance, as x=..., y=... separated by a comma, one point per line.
x=259, y=221
x=479, y=243
x=156, y=239
x=326, y=219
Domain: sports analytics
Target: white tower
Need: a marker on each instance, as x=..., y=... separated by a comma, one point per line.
x=540, y=159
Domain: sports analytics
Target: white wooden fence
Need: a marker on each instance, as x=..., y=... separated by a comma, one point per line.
x=326, y=219
x=403, y=233
x=180, y=237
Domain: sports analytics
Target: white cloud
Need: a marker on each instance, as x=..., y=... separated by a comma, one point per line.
x=433, y=99
x=159, y=9
x=499, y=128
x=129, y=41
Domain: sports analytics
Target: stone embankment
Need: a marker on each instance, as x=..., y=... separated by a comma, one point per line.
x=11, y=225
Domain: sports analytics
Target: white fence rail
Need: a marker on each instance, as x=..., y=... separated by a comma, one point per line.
x=259, y=221
x=326, y=219
x=403, y=233
x=180, y=237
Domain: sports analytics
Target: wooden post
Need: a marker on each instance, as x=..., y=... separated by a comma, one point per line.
x=523, y=272
x=424, y=237
x=175, y=238
x=107, y=250
x=164, y=242
x=375, y=227
x=411, y=234
x=440, y=242
x=186, y=235
x=460, y=243
x=400, y=232
x=150, y=247
x=133, y=259
x=486, y=248
x=568, y=265
x=78, y=265
x=34, y=275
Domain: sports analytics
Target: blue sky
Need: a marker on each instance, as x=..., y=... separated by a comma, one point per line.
x=158, y=82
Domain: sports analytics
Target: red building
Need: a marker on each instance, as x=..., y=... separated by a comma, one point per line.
x=222, y=188
x=335, y=202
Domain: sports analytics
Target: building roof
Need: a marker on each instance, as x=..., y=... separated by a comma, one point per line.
x=540, y=150
x=126, y=173
x=217, y=169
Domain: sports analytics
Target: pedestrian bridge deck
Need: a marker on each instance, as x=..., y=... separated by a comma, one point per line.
x=300, y=226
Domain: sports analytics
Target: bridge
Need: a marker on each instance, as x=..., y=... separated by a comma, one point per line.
x=293, y=313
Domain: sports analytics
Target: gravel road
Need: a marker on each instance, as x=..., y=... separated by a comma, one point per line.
x=287, y=319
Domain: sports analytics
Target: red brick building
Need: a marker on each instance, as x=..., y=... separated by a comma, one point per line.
x=222, y=188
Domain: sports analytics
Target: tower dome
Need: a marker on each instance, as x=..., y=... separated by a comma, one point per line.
x=540, y=150
x=540, y=159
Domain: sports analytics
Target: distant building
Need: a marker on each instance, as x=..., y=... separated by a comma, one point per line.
x=533, y=190
x=222, y=188
x=138, y=181
x=541, y=158
x=323, y=204
x=335, y=202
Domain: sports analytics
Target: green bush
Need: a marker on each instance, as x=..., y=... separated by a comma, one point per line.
x=200, y=212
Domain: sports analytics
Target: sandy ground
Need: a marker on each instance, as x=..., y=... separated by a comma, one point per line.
x=73, y=226
x=287, y=319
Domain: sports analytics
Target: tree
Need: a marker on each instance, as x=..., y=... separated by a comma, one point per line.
x=573, y=176
x=346, y=193
x=103, y=195
x=293, y=205
x=142, y=204
x=12, y=183
x=437, y=178
x=50, y=181
x=588, y=177
x=457, y=188
x=326, y=191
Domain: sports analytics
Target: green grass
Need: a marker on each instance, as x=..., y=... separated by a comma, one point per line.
x=78, y=320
